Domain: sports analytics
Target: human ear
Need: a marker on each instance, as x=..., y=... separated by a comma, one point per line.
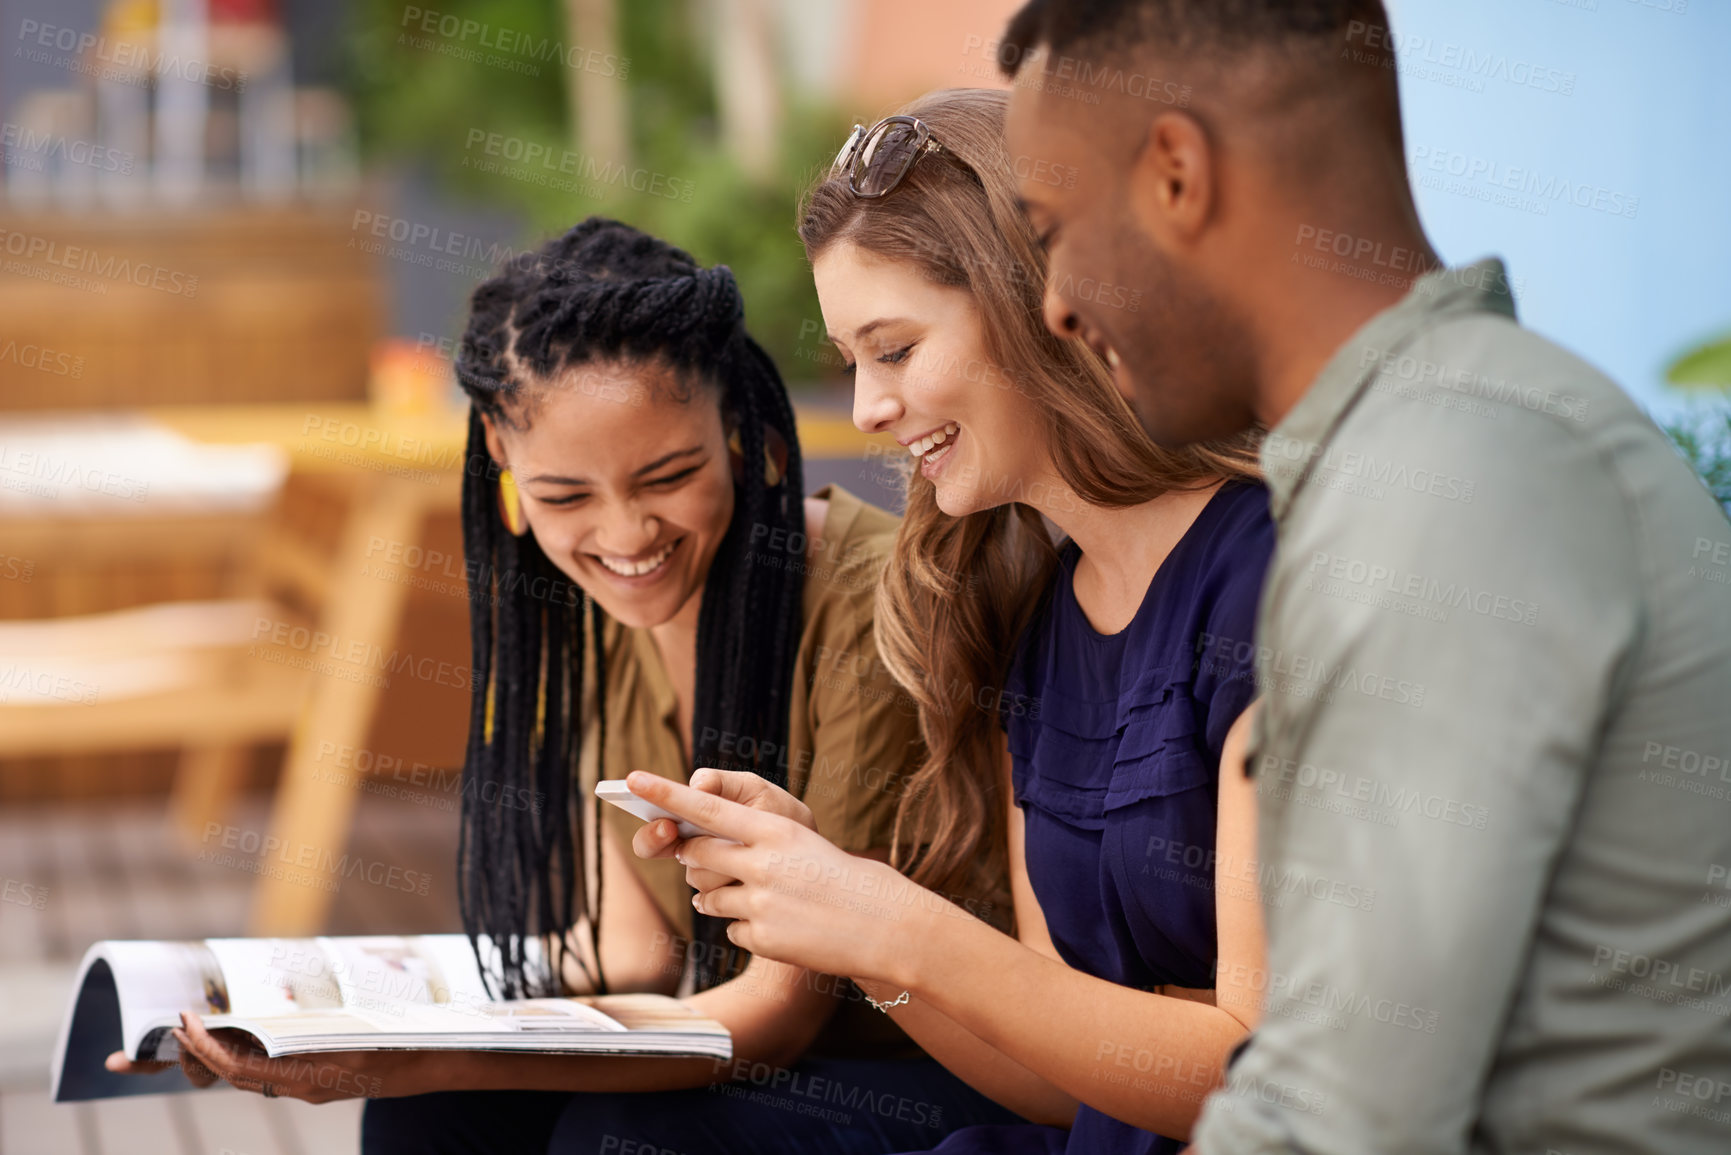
x=495, y=443
x=1172, y=179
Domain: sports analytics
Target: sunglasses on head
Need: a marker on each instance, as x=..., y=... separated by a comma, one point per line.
x=879, y=158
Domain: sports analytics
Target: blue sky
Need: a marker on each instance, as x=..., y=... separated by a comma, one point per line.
x=1517, y=109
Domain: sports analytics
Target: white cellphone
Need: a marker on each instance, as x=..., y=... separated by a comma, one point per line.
x=615, y=790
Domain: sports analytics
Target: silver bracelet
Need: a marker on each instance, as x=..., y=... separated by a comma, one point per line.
x=885, y=1007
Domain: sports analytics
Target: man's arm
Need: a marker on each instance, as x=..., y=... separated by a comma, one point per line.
x=1436, y=674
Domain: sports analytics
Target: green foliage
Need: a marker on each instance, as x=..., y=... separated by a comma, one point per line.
x=421, y=101
x=1708, y=365
x=1704, y=439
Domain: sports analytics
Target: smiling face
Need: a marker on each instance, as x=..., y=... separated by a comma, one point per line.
x=628, y=491
x=1139, y=223
x=917, y=353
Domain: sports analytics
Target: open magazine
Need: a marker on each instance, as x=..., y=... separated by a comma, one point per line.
x=301, y=996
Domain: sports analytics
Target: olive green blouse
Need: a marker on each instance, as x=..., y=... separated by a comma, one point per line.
x=853, y=733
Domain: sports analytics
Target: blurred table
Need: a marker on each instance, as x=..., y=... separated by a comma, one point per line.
x=395, y=470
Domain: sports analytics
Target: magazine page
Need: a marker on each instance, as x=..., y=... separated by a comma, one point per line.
x=377, y=991
x=657, y=1013
x=382, y=973
x=127, y=997
x=156, y=981
x=300, y=996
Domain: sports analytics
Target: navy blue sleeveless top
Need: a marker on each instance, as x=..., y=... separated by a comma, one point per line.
x=1115, y=745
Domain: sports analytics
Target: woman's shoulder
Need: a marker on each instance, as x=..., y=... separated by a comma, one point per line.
x=843, y=562
x=853, y=525
x=1244, y=524
x=1232, y=544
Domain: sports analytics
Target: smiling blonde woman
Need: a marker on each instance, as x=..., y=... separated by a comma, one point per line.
x=1075, y=714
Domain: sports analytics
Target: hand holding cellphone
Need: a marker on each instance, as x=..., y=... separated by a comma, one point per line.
x=615, y=790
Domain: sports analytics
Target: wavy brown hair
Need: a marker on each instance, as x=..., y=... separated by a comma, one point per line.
x=959, y=591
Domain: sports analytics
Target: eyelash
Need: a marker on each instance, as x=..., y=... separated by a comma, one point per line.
x=661, y=482
x=892, y=358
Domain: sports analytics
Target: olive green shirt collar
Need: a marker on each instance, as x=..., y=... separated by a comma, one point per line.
x=1482, y=287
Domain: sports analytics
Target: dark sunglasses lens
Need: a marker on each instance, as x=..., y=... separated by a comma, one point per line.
x=887, y=156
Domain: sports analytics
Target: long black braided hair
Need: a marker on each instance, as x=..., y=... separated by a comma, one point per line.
x=605, y=293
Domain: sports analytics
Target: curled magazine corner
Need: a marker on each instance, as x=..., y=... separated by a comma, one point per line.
x=90, y=1033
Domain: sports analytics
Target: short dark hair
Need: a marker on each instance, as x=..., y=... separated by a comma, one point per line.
x=1110, y=27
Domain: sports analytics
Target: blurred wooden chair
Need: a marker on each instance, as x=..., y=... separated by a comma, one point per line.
x=204, y=677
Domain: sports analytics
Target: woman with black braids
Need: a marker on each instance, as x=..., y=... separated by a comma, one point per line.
x=650, y=591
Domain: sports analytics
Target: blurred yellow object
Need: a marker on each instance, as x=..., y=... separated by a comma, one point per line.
x=510, y=505
x=410, y=378
x=128, y=18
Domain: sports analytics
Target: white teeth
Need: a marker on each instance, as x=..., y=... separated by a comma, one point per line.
x=925, y=444
x=1112, y=357
x=638, y=568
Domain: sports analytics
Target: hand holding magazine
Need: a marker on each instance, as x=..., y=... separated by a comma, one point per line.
x=318, y=995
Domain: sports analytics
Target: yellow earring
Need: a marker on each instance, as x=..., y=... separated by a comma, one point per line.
x=771, y=471
x=511, y=504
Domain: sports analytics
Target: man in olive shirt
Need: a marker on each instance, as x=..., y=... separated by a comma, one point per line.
x=1495, y=641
